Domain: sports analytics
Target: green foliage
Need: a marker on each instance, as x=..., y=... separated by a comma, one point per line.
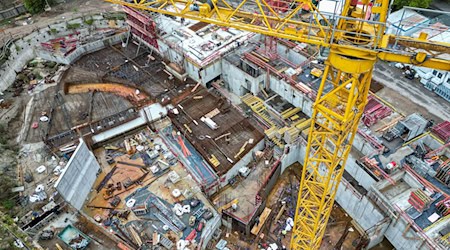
x=53, y=31
x=34, y=6
x=5, y=21
x=50, y=64
x=73, y=26
x=31, y=64
x=89, y=21
x=398, y=4
x=9, y=231
x=114, y=16
x=8, y=204
x=6, y=183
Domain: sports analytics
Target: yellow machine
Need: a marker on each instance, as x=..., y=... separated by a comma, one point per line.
x=352, y=42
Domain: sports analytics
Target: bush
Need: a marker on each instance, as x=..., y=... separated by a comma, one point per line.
x=8, y=204
x=89, y=21
x=114, y=16
x=72, y=26
x=398, y=4
x=34, y=6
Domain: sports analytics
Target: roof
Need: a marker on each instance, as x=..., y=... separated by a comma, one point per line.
x=433, y=30
x=406, y=19
x=201, y=44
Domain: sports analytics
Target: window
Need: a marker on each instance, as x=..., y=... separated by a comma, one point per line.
x=434, y=72
x=439, y=75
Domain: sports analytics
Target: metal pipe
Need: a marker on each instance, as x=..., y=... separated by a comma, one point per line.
x=427, y=10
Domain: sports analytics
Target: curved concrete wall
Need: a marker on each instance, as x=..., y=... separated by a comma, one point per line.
x=25, y=49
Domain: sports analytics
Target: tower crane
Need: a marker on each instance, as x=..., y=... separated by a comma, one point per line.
x=352, y=41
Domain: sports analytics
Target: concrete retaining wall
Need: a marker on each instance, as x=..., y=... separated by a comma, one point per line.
x=359, y=174
x=290, y=54
x=24, y=49
x=238, y=81
x=363, y=211
x=291, y=94
x=296, y=154
x=12, y=12
x=81, y=50
x=404, y=240
x=362, y=145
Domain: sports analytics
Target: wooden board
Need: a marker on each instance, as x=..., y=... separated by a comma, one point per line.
x=262, y=219
x=228, y=205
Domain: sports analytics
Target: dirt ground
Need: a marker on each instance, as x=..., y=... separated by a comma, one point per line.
x=409, y=96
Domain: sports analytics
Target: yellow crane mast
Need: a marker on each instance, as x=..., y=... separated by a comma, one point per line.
x=353, y=41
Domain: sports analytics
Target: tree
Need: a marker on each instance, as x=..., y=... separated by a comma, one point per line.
x=398, y=4
x=34, y=6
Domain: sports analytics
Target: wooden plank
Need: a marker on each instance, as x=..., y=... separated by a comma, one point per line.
x=262, y=219
x=280, y=213
x=222, y=136
x=195, y=87
x=228, y=205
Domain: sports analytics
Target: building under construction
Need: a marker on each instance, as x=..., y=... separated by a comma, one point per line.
x=196, y=135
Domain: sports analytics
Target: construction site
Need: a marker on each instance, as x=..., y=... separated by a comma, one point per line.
x=160, y=126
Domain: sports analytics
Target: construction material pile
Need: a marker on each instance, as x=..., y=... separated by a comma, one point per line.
x=375, y=111
x=420, y=200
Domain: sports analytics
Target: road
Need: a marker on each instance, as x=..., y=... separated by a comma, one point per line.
x=409, y=96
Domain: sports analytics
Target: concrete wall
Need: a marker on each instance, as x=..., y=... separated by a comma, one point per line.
x=79, y=175
x=81, y=50
x=211, y=71
x=13, y=11
x=192, y=71
x=23, y=50
x=17, y=59
x=296, y=154
x=238, y=81
x=290, y=54
x=363, y=146
x=291, y=94
x=359, y=174
x=244, y=161
x=433, y=144
x=148, y=114
x=206, y=74
x=404, y=240
x=207, y=234
x=362, y=210
x=169, y=53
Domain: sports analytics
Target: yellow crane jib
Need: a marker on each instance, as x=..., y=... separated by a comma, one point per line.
x=352, y=40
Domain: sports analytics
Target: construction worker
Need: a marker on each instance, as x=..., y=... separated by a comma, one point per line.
x=283, y=247
x=284, y=232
